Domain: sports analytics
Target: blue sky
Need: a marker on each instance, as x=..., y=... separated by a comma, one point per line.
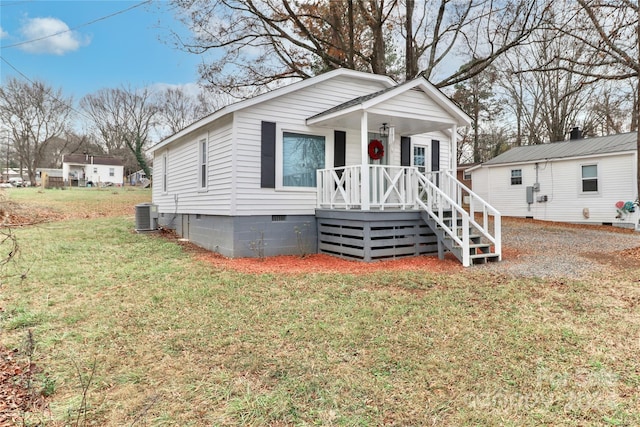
x=132, y=48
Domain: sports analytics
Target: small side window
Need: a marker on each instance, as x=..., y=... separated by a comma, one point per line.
x=164, y=172
x=516, y=176
x=202, y=170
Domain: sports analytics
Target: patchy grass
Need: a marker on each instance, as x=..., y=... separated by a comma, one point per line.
x=40, y=204
x=177, y=341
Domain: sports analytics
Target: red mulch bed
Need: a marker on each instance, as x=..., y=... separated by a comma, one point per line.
x=316, y=263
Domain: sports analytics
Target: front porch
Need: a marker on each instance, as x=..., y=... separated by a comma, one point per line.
x=399, y=211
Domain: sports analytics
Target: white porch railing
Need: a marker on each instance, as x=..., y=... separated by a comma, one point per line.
x=439, y=194
x=390, y=187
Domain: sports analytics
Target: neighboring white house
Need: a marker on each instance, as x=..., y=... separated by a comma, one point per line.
x=270, y=175
x=86, y=169
x=575, y=181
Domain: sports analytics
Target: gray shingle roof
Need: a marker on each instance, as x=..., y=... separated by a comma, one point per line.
x=84, y=159
x=573, y=148
x=356, y=101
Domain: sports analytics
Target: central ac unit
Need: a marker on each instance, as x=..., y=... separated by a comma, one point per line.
x=146, y=217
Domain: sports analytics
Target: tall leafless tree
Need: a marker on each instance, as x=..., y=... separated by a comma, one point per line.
x=178, y=109
x=36, y=114
x=610, y=32
x=260, y=43
x=123, y=117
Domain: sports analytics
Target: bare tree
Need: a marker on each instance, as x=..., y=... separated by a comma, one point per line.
x=36, y=115
x=547, y=94
x=265, y=42
x=68, y=143
x=123, y=118
x=177, y=109
x=610, y=33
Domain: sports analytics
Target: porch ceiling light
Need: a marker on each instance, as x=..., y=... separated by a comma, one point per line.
x=384, y=130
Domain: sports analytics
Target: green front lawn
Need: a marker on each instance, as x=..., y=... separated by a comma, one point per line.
x=167, y=340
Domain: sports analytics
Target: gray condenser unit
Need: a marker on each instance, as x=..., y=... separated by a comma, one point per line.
x=146, y=217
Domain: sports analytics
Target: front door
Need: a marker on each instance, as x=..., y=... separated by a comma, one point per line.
x=384, y=159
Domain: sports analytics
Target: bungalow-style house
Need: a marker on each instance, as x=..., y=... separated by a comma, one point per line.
x=88, y=170
x=590, y=180
x=345, y=163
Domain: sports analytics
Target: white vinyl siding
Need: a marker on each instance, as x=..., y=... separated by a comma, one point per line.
x=561, y=181
x=183, y=172
x=414, y=104
x=289, y=112
x=234, y=152
x=164, y=172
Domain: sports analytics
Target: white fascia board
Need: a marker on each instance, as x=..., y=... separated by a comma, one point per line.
x=472, y=168
x=271, y=95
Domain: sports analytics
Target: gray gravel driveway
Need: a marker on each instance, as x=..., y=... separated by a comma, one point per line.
x=551, y=250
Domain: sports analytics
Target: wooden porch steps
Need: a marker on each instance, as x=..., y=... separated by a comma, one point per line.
x=480, y=252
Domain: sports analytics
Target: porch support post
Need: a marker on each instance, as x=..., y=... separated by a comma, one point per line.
x=364, y=167
x=454, y=150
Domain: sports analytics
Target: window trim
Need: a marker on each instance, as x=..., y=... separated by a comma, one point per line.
x=328, y=136
x=516, y=177
x=582, y=179
x=203, y=166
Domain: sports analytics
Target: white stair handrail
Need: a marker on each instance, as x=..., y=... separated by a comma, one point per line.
x=487, y=211
x=435, y=196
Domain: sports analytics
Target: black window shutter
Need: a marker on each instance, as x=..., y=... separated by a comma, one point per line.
x=268, y=155
x=435, y=155
x=405, y=151
x=339, y=148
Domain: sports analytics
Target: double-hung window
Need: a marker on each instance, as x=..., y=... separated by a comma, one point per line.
x=302, y=156
x=202, y=164
x=516, y=176
x=589, y=178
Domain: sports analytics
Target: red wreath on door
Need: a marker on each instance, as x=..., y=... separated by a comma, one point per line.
x=376, y=149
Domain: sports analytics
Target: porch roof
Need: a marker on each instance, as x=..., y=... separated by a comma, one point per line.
x=408, y=122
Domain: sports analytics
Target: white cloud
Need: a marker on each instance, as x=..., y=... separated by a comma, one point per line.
x=49, y=35
x=3, y=33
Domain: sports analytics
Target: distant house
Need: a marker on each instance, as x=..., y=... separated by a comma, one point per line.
x=7, y=174
x=345, y=163
x=575, y=181
x=86, y=169
x=51, y=173
x=138, y=178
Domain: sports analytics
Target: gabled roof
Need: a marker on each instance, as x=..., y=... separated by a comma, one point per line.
x=388, y=81
x=588, y=147
x=368, y=101
x=88, y=159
